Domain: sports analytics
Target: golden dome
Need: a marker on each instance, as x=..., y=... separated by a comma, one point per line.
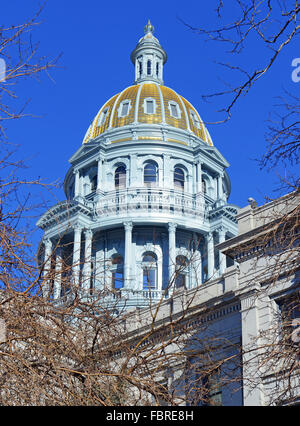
x=148, y=103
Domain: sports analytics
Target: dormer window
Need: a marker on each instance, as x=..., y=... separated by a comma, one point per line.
x=149, y=106
x=124, y=108
x=174, y=109
x=195, y=119
x=102, y=118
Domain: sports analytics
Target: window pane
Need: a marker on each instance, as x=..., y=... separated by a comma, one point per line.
x=150, y=173
x=149, y=278
x=117, y=280
x=195, y=120
x=120, y=177
x=102, y=117
x=149, y=67
x=150, y=107
x=174, y=111
x=117, y=272
x=94, y=183
x=180, y=281
x=125, y=108
x=179, y=178
x=149, y=257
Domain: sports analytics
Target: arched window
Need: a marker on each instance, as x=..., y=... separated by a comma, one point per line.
x=149, y=265
x=151, y=173
x=181, y=272
x=120, y=177
x=149, y=67
x=204, y=186
x=179, y=179
x=117, y=272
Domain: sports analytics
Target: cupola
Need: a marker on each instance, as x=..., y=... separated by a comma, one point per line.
x=148, y=58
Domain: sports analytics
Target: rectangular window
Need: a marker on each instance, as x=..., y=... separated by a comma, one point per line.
x=195, y=120
x=289, y=310
x=205, y=388
x=212, y=389
x=117, y=280
x=174, y=110
x=125, y=108
x=102, y=117
x=150, y=107
x=149, y=279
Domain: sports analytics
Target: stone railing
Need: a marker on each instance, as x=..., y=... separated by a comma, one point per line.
x=123, y=298
x=136, y=201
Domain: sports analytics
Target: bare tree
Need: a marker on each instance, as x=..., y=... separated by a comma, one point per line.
x=77, y=351
x=20, y=54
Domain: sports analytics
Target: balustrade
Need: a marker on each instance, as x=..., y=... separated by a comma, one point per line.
x=149, y=200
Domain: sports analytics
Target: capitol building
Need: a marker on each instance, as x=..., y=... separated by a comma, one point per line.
x=146, y=193
x=146, y=217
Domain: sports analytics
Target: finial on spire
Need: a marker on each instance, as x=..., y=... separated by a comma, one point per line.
x=149, y=28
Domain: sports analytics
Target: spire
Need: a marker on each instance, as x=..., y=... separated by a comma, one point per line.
x=148, y=57
x=149, y=28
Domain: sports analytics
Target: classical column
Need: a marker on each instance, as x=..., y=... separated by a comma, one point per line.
x=167, y=176
x=133, y=170
x=47, y=267
x=210, y=255
x=220, y=186
x=172, y=252
x=196, y=262
x=127, y=260
x=77, y=183
x=87, y=270
x=58, y=272
x=99, y=180
x=199, y=176
x=76, y=254
x=222, y=257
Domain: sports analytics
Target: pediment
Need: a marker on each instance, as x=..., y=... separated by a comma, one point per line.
x=215, y=154
x=83, y=151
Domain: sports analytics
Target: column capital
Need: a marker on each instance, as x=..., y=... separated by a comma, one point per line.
x=128, y=226
x=77, y=227
x=209, y=235
x=47, y=242
x=172, y=226
x=88, y=233
x=221, y=229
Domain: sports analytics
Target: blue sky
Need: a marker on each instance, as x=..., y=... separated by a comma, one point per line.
x=96, y=39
